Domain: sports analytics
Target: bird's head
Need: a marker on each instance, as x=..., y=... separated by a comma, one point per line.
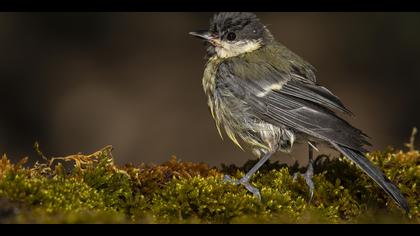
x=234, y=33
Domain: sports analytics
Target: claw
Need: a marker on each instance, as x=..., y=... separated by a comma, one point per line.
x=310, y=183
x=308, y=179
x=228, y=179
x=244, y=181
x=309, y=172
x=252, y=189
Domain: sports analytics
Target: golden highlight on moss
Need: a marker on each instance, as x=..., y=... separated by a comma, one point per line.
x=95, y=190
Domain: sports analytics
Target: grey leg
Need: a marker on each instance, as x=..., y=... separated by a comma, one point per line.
x=308, y=175
x=245, y=180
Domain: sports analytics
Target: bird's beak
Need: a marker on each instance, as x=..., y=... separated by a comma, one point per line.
x=203, y=34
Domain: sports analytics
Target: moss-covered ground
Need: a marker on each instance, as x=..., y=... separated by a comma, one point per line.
x=92, y=189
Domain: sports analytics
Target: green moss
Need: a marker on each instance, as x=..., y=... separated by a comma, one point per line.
x=95, y=190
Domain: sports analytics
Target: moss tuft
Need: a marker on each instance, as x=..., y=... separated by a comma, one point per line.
x=95, y=190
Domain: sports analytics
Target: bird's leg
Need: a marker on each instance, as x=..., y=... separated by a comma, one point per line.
x=245, y=180
x=309, y=172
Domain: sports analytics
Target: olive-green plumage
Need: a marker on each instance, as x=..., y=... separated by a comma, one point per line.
x=272, y=57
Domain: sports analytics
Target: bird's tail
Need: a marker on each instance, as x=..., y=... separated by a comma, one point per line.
x=375, y=173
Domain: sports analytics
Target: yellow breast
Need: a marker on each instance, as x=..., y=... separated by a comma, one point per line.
x=209, y=86
x=218, y=109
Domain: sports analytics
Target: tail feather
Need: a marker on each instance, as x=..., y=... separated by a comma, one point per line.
x=375, y=173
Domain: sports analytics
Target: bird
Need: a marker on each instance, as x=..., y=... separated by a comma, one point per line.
x=263, y=95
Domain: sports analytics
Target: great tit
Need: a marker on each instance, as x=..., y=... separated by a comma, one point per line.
x=266, y=97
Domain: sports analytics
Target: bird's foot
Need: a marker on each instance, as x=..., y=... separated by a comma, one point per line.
x=245, y=182
x=308, y=179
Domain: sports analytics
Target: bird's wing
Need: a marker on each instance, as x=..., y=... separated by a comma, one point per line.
x=314, y=93
x=310, y=118
x=285, y=72
x=280, y=100
x=304, y=113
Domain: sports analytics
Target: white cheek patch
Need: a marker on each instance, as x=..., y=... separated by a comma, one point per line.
x=226, y=50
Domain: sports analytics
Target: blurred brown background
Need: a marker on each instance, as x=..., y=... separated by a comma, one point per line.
x=77, y=82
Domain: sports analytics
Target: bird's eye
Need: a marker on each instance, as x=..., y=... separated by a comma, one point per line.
x=231, y=36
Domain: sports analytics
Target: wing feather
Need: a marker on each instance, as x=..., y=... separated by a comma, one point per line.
x=298, y=105
x=314, y=93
